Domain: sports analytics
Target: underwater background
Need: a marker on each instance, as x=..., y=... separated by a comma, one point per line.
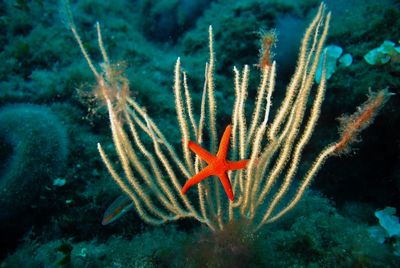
x=55, y=190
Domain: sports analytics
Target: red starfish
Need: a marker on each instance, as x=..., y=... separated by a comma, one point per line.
x=217, y=165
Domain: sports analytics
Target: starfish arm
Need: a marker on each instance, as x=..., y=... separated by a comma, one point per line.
x=237, y=164
x=204, y=173
x=227, y=185
x=201, y=152
x=224, y=144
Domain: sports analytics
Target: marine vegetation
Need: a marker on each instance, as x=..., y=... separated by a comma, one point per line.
x=266, y=184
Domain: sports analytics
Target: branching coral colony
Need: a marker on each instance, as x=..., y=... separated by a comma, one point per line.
x=153, y=174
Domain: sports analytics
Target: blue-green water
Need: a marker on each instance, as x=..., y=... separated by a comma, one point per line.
x=55, y=188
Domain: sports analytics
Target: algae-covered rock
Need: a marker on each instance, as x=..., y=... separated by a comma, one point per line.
x=33, y=145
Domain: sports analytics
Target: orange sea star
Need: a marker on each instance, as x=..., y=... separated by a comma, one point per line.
x=217, y=164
